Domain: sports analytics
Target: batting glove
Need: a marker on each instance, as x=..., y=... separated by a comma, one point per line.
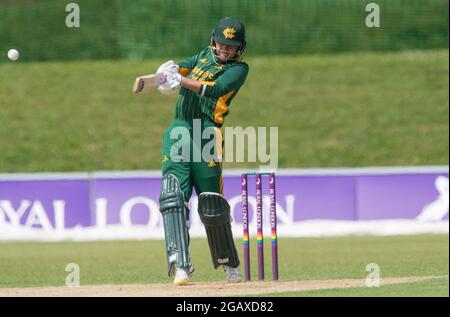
x=168, y=66
x=170, y=83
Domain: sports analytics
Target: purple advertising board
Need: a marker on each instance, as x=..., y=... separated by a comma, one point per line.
x=125, y=205
x=49, y=204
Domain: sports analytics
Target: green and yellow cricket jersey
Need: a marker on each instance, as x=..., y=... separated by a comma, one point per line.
x=220, y=84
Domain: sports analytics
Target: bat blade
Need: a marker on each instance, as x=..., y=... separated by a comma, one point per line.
x=146, y=83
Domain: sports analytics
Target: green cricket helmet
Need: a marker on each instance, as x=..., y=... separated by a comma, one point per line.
x=230, y=31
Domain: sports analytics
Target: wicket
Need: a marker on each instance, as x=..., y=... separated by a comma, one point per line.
x=259, y=222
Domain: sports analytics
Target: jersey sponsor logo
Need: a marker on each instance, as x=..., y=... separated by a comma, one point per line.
x=229, y=33
x=198, y=73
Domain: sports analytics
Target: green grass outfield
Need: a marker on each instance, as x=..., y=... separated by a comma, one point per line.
x=368, y=109
x=36, y=264
x=431, y=288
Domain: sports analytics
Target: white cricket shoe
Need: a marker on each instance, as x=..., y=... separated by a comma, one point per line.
x=233, y=274
x=182, y=275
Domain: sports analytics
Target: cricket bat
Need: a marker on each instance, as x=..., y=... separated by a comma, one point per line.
x=147, y=83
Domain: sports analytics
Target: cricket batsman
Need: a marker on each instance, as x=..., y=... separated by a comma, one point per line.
x=206, y=83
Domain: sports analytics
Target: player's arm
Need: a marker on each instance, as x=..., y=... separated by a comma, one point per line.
x=191, y=84
x=183, y=68
x=231, y=80
x=174, y=74
x=188, y=65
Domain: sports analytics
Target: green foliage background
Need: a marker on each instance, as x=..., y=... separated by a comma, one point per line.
x=158, y=28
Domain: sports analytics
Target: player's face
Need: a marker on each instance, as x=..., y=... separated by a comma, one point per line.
x=226, y=52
